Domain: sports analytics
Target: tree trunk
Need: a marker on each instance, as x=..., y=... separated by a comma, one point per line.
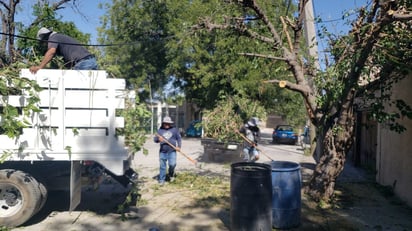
x=337, y=141
x=316, y=148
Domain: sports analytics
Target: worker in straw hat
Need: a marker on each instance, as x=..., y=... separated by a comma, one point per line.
x=166, y=135
x=74, y=54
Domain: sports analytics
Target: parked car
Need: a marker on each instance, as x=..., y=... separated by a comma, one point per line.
x=194, y=129
x=284, y=134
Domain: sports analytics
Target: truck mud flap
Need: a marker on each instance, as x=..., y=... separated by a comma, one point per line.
x=129, y=177
x=75, y=185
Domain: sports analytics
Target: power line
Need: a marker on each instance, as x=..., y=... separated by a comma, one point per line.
x=80, y=44
x=368, y=3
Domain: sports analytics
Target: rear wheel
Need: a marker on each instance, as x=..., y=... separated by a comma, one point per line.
x=43, y=196
x=20, y=197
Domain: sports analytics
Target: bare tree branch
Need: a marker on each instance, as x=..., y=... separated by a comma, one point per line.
x=55, y=6
x=263, y=56
x=287, y=33
x=259, y=11
x=5, y=5
x=402, y=15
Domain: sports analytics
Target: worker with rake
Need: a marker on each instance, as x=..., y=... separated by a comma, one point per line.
x=251, y=132
x=170, y=142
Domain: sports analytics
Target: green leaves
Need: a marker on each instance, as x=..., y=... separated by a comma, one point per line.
x=223, y=122
x=135, y=115
x=404, y=108
x=164, y=46
x=3, y=157
x=16, y=117
x=141, y=27
x=69, y=151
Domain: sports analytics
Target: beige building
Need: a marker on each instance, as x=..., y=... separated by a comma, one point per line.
x=387, y=152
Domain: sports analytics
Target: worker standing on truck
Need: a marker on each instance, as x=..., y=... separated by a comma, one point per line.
x=74, y=54
x=252, y=132
x=166, y=135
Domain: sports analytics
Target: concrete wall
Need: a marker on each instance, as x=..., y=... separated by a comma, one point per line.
x=366, y=141
x=273, y=120
x=394, y=151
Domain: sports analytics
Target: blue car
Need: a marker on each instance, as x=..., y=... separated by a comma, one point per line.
x=194, y=129
x=284, y=134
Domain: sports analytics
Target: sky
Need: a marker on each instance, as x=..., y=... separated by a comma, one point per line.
x=90, y=19
x=86, y=17
x=330, y=11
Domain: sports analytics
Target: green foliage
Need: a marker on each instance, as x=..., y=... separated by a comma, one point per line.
x=223, y=122
x=132, y=196
x=388, y=62
x=3, y=228
x=141, y=27
x=13, y=118
x=404, y=109
x=209, y=63
x=4, y=156
x=391, y=118
x=135, y=116
x=161, y=44
x=75, y=131
x=289, y=105
x=69, y=151
x=205, y=191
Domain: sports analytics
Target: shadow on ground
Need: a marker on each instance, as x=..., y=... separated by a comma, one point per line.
x=106, y=199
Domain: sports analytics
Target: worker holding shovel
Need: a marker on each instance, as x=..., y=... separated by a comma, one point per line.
x=252, y=134
x=170, y=142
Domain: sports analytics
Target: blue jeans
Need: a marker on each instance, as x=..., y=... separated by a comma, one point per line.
x=86, y=64
x=166, y=158
x=249, y=153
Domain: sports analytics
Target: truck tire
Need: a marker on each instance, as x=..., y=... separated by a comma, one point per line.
x=20, y=197
x=43, y=197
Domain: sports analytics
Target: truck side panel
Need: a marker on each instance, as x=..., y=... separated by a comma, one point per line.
x=78, y=120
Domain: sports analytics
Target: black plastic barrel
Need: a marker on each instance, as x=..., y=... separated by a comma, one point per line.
x=286, y=200
x=250, y=197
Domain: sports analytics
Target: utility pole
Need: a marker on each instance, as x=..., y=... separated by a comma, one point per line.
x=310, y=33
x=312, y=44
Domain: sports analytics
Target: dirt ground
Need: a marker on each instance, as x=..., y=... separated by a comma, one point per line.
x=360, y=203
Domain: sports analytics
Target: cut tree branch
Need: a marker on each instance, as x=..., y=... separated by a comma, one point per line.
x=291, y=86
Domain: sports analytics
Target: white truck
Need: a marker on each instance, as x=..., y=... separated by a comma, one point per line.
x=73, y=136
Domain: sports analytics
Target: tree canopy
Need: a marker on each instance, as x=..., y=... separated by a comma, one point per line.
x=164, y=46
x=366, y=53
